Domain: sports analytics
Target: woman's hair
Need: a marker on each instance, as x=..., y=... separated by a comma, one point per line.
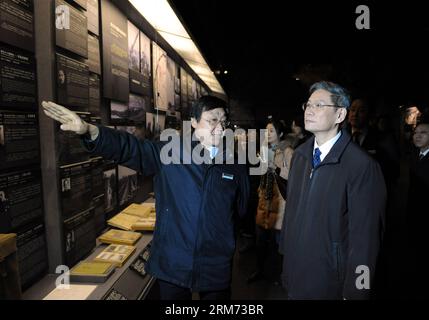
x=279, y=127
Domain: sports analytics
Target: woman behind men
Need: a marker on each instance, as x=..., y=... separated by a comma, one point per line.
x=271, y=203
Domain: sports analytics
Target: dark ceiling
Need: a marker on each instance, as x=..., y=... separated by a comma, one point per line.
x=266, y=45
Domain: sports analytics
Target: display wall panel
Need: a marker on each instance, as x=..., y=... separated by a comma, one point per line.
x=17, y=79
x=72, y=83
x=115, y=53
x=93, y=62
x=32, y=254
x=17, y=23
x=19, y=139
x=97, y=165
x=71, y=28
x=76, y=188
x=81, y=3
x=79, y=236
x=69, y=144
x=99, y=214
x=92, y=14
x=94, y=95
x=20, y=199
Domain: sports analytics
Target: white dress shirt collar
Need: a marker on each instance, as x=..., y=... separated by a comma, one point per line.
x=424, y=153
x=327, y=146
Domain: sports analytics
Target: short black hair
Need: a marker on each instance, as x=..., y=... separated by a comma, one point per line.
x=207, y=103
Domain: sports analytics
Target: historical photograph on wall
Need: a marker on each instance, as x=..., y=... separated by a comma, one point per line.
x=127, y=178
x=127, y=185
x=17, y=79
x=19, y=139
x=118, y=112
x=159, y=124
x=163, y=80
x=115, y=53
x=184, y=93
x=20, y=199
x=71, y=28
x=110, y=189
x=150, y=125
x=155, y=123
x=192, y=91
x=145, y=64
x=177, y=90
x=173, y=120
x=17, y=23
x=137, y=108
x=172, y=83
x=72, y=83
x=133, y=47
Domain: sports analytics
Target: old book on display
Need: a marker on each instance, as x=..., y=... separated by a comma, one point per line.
x=116, y=253
x=114, y=236
x=144, y=224
x=142, y=210
x=91, y=271
x=123, y=221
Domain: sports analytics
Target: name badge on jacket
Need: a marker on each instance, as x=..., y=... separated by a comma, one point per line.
x=227, y=176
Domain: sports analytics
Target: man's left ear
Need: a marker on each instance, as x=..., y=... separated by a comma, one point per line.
x=194, y=123
x=341, y=115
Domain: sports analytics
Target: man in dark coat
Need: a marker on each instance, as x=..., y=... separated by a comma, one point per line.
x=417, y=212
x=335, y=206
x=193, y=242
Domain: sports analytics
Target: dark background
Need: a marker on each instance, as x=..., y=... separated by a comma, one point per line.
x=266, y=45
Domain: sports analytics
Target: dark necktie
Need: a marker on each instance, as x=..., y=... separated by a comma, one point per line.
x=356, y=137
x=421, y=156
x=316, y=157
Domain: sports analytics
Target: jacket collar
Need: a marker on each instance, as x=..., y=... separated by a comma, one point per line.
x=333, y=156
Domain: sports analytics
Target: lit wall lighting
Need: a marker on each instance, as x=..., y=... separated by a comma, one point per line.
x=165, y=21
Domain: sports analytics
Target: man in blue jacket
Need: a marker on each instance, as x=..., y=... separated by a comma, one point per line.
x=193, y=243
x=335, y=207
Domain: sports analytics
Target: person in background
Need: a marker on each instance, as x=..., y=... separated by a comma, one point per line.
x=298, y=131
x=417, y=211
x=271, y=203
